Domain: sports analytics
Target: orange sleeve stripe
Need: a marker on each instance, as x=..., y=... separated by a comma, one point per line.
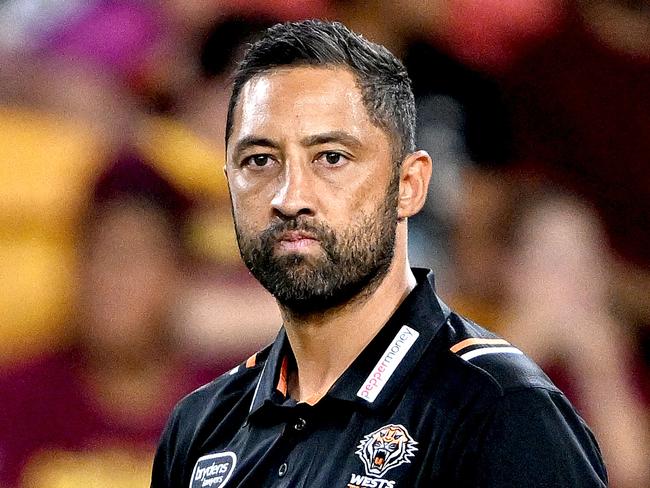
x=251, y=361
x=282, y=380
x=472, y=342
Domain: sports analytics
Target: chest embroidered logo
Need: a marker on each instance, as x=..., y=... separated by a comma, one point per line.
x=381, y=451
x=213, y=470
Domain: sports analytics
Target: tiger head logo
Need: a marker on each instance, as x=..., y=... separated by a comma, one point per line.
x=386, y=448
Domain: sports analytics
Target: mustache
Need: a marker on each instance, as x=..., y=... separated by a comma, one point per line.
x=319, y=231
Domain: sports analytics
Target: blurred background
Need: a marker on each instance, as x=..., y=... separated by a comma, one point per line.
x=121, y=288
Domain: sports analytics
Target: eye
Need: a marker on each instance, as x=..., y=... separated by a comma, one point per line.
x=332, y=158
x=257, y=161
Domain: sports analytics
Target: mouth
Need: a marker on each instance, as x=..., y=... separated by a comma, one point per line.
x=296, y=240
x=379, y=459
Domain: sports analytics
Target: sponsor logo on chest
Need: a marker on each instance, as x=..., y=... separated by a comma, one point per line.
x=213, y=470
x=358, y=481
x=388, y=363
x=380, y=451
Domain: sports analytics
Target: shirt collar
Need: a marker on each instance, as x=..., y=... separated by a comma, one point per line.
x=376, y=375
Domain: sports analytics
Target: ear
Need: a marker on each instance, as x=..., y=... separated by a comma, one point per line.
x=414, y=183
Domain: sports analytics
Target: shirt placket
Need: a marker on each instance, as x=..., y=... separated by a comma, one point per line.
x=289, y=457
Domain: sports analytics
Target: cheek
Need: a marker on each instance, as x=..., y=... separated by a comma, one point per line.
x=249, y=188
x=251, y=209
x=367, y=194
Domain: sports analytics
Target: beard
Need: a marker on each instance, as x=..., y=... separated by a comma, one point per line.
x=351, y=264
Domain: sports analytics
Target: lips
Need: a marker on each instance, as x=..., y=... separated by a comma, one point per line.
x=296, y=240
x=296, y=235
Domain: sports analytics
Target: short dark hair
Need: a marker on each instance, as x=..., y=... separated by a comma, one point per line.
x=381, y=77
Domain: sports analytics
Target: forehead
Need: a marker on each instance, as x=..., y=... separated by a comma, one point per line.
x=302, y=101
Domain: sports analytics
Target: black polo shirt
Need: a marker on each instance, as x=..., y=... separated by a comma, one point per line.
x=433, y=401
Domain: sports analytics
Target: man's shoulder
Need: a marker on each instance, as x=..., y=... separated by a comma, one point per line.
x=224, y=393
x=487, y=361
x=512, y=410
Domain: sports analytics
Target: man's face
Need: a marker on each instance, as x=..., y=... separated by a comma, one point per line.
x=313, y=187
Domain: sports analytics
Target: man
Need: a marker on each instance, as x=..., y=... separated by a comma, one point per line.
x=372, y=380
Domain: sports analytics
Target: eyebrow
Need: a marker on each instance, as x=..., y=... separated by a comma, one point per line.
x=253, y=141
x=339, y=136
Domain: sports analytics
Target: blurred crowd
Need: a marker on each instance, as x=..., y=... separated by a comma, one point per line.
x=121, y=288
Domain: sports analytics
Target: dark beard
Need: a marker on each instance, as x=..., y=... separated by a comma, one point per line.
x=351, y=265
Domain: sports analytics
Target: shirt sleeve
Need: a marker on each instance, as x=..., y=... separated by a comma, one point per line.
x=534, y=438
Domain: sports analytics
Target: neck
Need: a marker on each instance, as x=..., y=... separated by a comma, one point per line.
x=327, y=342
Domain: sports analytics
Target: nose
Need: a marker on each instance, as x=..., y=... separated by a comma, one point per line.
x=295, y=193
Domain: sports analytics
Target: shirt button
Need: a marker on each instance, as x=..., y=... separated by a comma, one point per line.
x=300, y=424
x=282, y=470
